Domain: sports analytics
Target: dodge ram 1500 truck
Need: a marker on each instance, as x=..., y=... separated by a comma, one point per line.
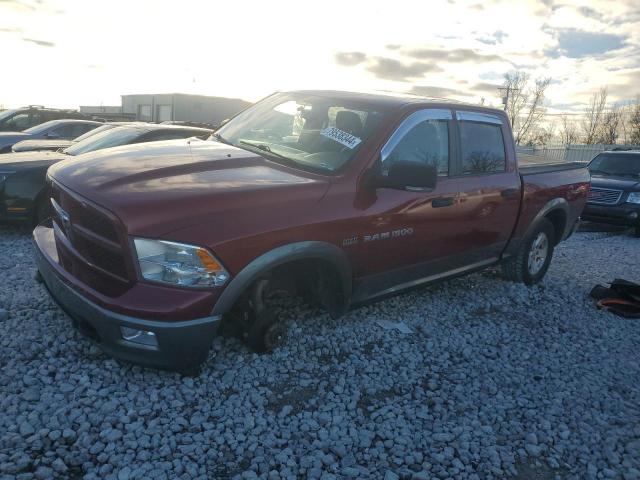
x=340, y=197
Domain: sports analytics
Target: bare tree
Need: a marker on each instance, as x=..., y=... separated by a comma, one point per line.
x=593, y=116
x=611, y=125
x=634, y=122
x=568, y=131
x=524, y=103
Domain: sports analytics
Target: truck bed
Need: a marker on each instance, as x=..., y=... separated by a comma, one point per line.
x=537, y=168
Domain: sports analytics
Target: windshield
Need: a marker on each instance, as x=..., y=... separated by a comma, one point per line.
x=42, y=127
x=101, y=128
x=112, y=137
x=6, y=114
x=625, y=164
x=309, y=131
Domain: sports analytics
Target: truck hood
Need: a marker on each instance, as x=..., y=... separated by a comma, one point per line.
x=9, y=138
x=615, y=182
x=158, y=187
x=14, y=162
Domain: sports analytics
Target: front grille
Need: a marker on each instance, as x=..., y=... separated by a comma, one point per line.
x=88, y=242
x=604, y=196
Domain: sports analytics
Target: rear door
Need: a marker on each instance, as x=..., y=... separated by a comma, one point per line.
x=489, y=183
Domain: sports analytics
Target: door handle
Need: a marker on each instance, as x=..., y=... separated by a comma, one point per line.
x=442, y=202
x=510, y=193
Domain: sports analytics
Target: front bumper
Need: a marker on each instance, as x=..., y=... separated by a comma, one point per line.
x=625, y=214
x=181, y=345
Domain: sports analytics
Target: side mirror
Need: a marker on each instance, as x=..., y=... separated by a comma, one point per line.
x=409, y=175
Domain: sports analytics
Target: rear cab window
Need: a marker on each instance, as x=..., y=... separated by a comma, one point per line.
x=482, y=147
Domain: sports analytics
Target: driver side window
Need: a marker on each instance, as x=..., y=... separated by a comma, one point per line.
x=422, y=140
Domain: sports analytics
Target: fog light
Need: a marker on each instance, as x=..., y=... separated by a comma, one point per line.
x=142, y=337
x=633, y=215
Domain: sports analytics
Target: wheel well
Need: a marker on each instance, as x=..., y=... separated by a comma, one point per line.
x=313, y=279
x=558, y=219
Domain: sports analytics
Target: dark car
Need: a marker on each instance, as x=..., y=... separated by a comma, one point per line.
x=19, y=119
x=337, y=197
x=53, y=130
x=22, y=175
x=48, y=144
x=614, y=197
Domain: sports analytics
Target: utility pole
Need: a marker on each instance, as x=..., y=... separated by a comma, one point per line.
x=504, y=93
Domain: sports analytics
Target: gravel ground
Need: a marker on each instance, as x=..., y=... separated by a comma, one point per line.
x=497, y=380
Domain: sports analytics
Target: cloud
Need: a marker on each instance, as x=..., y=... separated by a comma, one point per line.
x=624, y=87
x=18, y=4
x=42, y=43
x=589, y=12
x=392, y=69
x=485, y=88
x=452, y=55
x=349, y=59
x=493, y=38
x=575, y=43
x=460, y=89
x=432, y=91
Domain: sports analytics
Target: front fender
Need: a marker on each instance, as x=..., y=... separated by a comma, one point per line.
x=309, y=250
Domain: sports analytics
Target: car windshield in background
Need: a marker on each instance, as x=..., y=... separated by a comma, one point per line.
x=95, y=131
x=6, y=113
x=311, y=132
x=109, y=138
x=616, y=164
x=43, y=127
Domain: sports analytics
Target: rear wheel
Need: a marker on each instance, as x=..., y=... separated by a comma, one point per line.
x=531, y=262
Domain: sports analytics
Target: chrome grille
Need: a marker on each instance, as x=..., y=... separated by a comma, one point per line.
x=604, y=196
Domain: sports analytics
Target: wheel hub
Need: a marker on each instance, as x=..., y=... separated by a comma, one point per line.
x=538, y=253
x=274, y=335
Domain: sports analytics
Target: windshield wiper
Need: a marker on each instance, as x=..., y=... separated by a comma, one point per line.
x=266, y=148
x=221, y=139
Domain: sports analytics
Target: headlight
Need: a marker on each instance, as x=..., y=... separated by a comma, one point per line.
x=634, y=197
x=179, y=264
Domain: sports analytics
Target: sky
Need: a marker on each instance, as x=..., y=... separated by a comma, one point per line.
x=68, y=53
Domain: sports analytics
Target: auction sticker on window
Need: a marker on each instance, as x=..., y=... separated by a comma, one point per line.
x=341, y=136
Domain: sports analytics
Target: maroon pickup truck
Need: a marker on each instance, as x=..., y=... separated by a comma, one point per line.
x=340, y=197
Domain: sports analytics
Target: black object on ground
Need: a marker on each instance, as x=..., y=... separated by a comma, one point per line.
x=621, y=298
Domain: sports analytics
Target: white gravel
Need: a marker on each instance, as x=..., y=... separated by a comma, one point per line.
x=497, y=380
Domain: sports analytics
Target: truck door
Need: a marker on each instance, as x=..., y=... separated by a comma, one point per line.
x=489, y=182
x=409, y=234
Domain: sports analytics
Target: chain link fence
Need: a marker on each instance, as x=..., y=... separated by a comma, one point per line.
x=566, y=153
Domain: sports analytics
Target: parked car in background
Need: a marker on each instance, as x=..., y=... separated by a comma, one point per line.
x=52, y=130
x=22, y=175
x=33, y=145
x=338, y=197
x=186, y=123
x=19, y=119
x=614, y=197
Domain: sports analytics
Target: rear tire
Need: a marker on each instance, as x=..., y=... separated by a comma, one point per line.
x=531, y=262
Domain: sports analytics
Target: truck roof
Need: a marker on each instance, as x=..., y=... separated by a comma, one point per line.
x=392, y=99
